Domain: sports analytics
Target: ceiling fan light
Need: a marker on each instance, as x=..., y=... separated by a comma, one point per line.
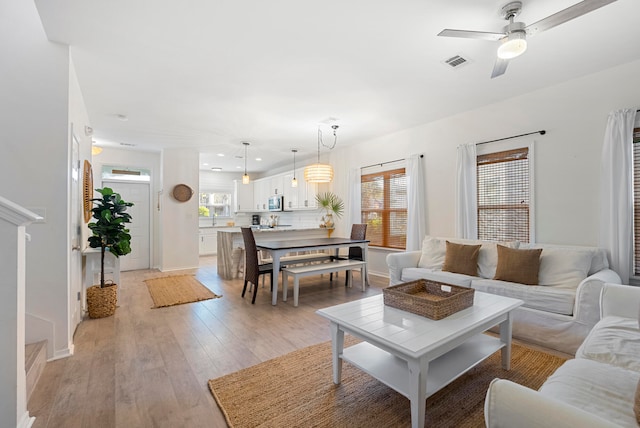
x=512, y=46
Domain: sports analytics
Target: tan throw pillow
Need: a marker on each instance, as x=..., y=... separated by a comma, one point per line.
x=461, y=258
x=521, y=266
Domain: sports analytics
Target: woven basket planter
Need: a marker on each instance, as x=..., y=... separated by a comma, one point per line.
x=101, y=302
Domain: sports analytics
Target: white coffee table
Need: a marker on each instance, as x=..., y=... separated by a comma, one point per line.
x=415, y=355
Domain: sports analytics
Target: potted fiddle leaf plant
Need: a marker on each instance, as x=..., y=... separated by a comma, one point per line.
x=331, y=204
x=109, y=234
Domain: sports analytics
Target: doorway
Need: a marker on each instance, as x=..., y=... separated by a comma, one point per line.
x=139, y=228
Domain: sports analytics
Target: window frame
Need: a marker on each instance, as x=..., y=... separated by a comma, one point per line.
x=385, y=172
x=502, y=146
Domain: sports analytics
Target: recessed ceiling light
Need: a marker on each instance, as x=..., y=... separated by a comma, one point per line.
x=258, y=159
x=205, y=164
x=221, y=154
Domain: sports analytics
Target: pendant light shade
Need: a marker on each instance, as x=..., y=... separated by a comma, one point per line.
x=318, y=173
x=294, y=181
x=321, y=172
x=245, y=177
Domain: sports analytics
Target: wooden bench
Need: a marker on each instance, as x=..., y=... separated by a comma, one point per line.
x=298, y=272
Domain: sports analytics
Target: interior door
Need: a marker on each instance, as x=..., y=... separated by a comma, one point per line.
x=75, y=238
x=139, y=228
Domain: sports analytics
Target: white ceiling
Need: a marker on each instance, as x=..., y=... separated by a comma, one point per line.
x=209, y=74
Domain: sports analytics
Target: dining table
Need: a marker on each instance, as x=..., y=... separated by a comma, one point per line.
x=277, y=249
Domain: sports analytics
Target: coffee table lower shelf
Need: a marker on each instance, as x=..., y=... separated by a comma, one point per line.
x=394, y=371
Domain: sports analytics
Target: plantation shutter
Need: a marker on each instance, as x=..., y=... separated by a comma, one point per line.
x=636, y=200
x=384, y=208
x=503, y=195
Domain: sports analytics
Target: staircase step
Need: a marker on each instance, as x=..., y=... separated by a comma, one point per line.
x=35, y=360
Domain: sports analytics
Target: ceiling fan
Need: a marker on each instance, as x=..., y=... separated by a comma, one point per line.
x=513, y=37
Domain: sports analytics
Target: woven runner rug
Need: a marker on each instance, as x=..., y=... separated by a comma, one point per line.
x=176, y=290
x=296, y=390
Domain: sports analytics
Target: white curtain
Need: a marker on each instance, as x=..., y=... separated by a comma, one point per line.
x=354, y=202
x=466, y=193
x=416, y=213
x=616, y=228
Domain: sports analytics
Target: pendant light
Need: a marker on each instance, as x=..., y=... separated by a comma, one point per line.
x=245, y=177
x=294, y=181
x=321, y=172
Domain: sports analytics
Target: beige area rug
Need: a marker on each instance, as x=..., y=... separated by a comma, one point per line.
x=176, y=290
x=296, y=390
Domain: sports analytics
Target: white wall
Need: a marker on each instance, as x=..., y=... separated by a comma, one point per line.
x=37, y=107
x=179, y=220
x=136, y=159
x=567, y=158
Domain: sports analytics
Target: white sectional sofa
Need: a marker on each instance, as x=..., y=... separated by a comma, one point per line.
x=596, y=389
x=558, y=313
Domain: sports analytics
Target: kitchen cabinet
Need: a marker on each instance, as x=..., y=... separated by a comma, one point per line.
x=208, y=241
x=290, y=193
x=276, y=184
x=243, y=196
x=306, y=192
x=261, y=194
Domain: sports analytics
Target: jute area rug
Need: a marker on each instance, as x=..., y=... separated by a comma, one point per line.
x=296, y=390
x=176, y=290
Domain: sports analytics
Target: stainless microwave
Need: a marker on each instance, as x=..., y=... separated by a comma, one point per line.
x=276, y=203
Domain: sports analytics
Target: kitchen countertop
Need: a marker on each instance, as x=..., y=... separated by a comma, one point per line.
x=272, y=229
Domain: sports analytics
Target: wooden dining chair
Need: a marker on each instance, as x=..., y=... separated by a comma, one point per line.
x=358, y=231
x=252, y=268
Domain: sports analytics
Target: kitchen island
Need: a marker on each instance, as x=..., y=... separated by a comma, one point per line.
x=231, y=245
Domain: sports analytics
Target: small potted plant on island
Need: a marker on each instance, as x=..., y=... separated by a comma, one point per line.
x=331, y=204
x=109, y=234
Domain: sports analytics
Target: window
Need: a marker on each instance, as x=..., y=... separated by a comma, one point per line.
x=504, y=196
x=384, y=208
x=636, y=201
x=215, y=204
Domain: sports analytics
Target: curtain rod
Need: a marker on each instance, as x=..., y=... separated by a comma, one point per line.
x=384, y=163
x=541, y=132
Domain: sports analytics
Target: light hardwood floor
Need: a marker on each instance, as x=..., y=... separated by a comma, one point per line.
x=148, y=367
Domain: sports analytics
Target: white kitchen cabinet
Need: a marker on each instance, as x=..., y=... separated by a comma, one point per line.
x=306, y=192
x=291, y=193
x=208, y=241
x=261, y=194
x=243, y=196
x=276, y=185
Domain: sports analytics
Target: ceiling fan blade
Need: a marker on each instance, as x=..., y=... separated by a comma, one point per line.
x=482, y=35
x=500, y=67
x=565, y=15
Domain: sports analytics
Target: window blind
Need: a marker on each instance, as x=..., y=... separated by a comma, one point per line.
x=636, y=201
x=503, y=195
x=384, y=208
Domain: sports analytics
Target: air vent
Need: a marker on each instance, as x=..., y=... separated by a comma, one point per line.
x=127, y=144
x=456, y=61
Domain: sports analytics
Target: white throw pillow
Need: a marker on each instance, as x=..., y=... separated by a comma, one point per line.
x=562, y=266
x=488, y=258
x=433, y=252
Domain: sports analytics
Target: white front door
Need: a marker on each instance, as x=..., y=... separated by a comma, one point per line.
x=139, y=194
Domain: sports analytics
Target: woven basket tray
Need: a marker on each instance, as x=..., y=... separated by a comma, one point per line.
x=431, y=299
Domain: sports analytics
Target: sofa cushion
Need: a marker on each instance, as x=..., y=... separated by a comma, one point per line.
x=601, y=389
x=460, y=258
x=434, y=250
x=519, y=266
x=562, y=266
x=412, y=274
x=613, y=340
x=559, y=300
